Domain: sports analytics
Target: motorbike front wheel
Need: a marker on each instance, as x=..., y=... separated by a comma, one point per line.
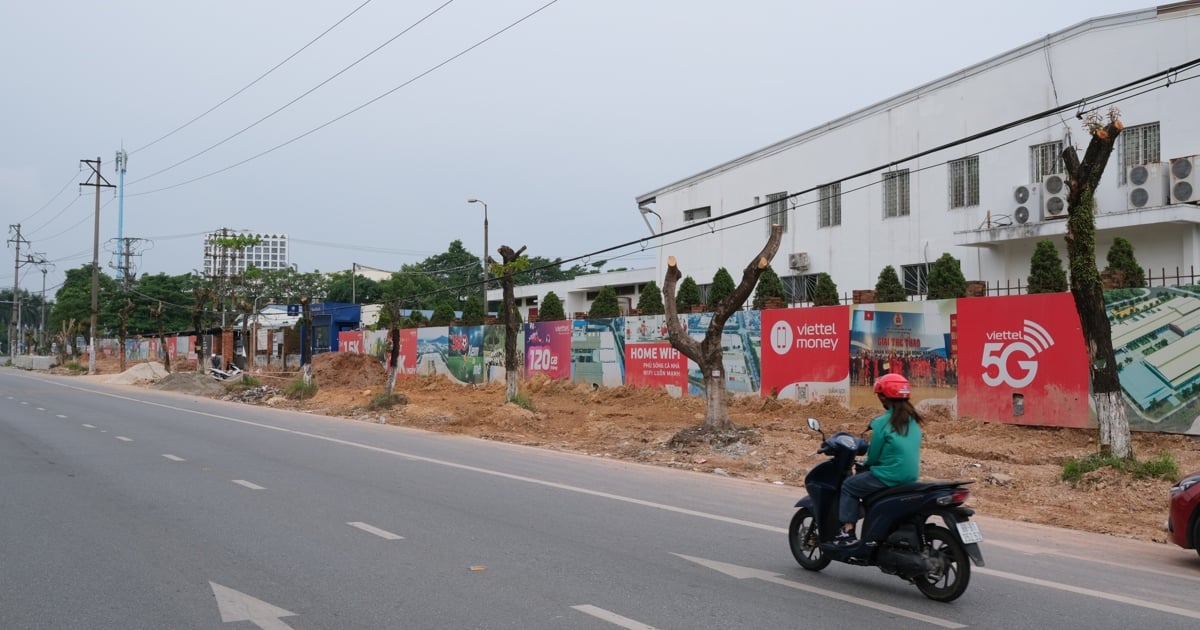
x=949, y=568
x=805, y=541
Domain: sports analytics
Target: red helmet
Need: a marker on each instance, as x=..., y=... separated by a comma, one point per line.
x=892, y=386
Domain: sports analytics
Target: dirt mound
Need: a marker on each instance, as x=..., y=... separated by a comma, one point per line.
x=140, y=373
x=190, y=383
x=348, y=370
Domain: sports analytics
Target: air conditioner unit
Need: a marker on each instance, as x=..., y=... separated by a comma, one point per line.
x=798, y=261
x=1026, y=201
x=1054, y=197
x=1185, y=179
x=1147, y=186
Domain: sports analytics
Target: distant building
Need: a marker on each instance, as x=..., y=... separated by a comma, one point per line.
x=270, y=253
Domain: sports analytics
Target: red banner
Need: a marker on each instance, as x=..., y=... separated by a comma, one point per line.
x=655, y=365
x=806, y=352
x=1022, y=360
x=351, y=341
x=548, y=349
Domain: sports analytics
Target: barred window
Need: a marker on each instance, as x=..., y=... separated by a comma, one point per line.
x=695, y=214
x=831, y=205
x=800, y=288
x=1139, y=145
x=915, y=278
x=1045, y=159
x=777, y=211
x=895, y=194
x=964, y=182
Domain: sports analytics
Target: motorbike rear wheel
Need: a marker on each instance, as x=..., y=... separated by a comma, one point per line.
x=949, y=568
x=805, y=541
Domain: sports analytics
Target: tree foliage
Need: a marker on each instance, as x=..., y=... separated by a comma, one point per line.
x=605, y=304
x=1120, y=258
x=888, y=287
x=1046, y=273
x=946, y=279
x=722, y=285
x=543, y=270
x=688, y=296
x=551, y=308
x=73, y=300
x=650, y=301
x=769, y=286
x=826, y=292
x=443, y=315
x=472, y=314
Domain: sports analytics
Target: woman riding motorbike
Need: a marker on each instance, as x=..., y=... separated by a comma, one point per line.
x=893, y=458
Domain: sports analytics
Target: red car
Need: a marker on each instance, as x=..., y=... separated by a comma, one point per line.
x=1183, y=522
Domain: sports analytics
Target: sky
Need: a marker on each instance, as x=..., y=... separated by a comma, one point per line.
x=365, y=145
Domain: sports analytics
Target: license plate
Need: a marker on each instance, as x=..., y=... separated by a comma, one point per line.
x=969, y=532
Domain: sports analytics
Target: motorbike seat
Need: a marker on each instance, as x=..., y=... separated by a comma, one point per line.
x=914, y=487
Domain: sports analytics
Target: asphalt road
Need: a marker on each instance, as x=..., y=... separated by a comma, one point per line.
x=128, y=508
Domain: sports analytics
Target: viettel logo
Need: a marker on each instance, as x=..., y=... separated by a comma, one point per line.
x=781, y=337
x=1029, y=342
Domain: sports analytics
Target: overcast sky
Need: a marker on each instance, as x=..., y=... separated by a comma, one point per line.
x=557, y=123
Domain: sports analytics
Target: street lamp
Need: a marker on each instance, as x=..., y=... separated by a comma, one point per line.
x=485, y=253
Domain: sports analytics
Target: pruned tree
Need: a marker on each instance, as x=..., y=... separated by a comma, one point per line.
x=946, y=280
x=552, y=308
x=722, y=285
x=202, y=295
x=1121, y=260
x=769, y=286
x=1046, y=273
x=392, y=308
x=689, y=294
x=1086, y=288
x=650, y=301
x=512, y=262
x=707, y=353
x=157, y=313
x=605, y=305
x=826, y=292
x=888, y=287
x=123, y=317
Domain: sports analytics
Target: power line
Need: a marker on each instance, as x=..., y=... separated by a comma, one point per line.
x=293, y=101
x=354, y=110
x=51, y=200
x=248, y=85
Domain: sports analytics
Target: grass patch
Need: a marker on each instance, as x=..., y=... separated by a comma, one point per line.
x=76, y=367
x=299, y=390
x=523, y=401
x=1163, y=466
x=242, y=383
x=387, y=401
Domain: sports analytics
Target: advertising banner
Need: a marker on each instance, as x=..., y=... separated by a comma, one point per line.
x=351, y=341
x=655, y=365
x=597, y=351
x=1022, y=360
x=805, y=353
x=548, y=349
x=913, y=339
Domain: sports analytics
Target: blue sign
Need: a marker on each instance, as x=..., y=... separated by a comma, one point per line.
x=293, y=309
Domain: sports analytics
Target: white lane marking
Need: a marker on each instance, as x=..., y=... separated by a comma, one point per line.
x=59, y=415
x=123, y=438
x=1035, y=550
x=247, y=484
x=566, y=487
x=40, y=408
x=371, y=529
x=612, y=617
x=237, y=606
x=743, y=573
x=174, y=458
x=89, y=426
x=1078, y=590
x=24, y=402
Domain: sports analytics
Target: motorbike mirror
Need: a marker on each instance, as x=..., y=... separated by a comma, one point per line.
x=814, y=424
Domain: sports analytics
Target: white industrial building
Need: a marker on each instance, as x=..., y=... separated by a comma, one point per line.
x=987, y=202
x=271, y=252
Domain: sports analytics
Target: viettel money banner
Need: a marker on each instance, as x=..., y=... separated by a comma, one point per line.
x=548, y=349
x=1022, y=360
x=805, y=353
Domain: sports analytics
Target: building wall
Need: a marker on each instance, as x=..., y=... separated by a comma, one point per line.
x=1079, y=61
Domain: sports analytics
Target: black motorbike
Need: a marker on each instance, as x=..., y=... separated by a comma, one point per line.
x=900, y=531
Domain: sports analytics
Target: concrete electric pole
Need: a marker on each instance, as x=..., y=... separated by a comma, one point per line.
x=96, y=180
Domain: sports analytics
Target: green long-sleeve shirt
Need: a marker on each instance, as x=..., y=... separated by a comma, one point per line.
x=894, y=458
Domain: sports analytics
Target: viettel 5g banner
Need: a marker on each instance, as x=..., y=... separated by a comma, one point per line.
x=548, y=349
x=804, y=353
x=1021, y=359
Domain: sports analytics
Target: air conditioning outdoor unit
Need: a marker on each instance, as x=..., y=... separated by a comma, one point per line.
x=1185, y=180
x=1054, y=197
x=798, y=261
x=1147, y=186
x=1026, y=201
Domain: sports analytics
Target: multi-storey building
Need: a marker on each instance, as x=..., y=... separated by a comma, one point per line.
x=271, y=252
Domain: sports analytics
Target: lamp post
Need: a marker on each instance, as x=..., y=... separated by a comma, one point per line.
x=485, y=253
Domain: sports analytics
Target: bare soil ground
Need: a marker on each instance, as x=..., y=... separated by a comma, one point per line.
x=1017, y=470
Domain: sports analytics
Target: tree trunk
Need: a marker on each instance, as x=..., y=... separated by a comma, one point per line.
x=707, y=353
x=123, y=316
x=394, y=351
x=512, y=326
x=1088, y=291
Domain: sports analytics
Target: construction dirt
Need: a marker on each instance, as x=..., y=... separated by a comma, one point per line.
x=1017, y=470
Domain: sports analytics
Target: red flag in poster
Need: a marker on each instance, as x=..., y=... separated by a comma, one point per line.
x=805, y=345
x=459, y=343
x=1021, y=359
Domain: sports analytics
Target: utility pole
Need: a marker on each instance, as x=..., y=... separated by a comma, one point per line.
x=96, y=180
x=13, y=324
x=45, y=267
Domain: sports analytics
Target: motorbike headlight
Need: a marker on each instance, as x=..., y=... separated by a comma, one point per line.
x=1185, y=483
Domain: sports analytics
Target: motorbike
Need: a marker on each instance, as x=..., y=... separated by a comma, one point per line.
x=900, y=532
